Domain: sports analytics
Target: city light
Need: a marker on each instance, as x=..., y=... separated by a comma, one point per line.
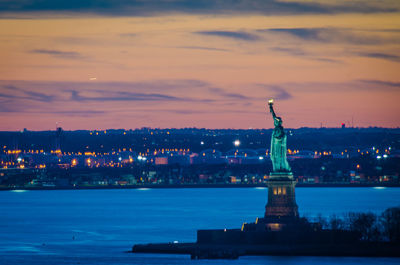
x=162, y=153
x=142, y=158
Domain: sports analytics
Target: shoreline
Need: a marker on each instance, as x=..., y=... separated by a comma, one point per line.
x=188, y=186
x=234, y=251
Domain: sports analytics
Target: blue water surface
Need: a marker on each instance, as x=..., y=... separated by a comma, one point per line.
x=98, y=226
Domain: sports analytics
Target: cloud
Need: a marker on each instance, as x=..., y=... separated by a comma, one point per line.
x=96, y=98
x=378, y=55
x=153, y=85
x=303, y=33
x=334, y=35
x=301, y=53
x=57, y=53
x=291, y=51
x=8, y=105
x=150, y=91
x=11, y=107
x=184, y=111
x=203, y=48
x=380, y=83
x=19, y=93
x=238, y=35
x=79, y=113
x=204, y=111
x=278, y=92
x=361, y=86
x=102, y=95
x=228, y=95
x=39, y=96
x=157, y=7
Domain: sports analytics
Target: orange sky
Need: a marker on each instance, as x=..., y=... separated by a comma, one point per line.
x=199, y=70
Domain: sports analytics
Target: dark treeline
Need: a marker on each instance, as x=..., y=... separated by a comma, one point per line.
x=368, y=226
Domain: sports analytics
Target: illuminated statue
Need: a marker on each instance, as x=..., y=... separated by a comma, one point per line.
x=278, y=144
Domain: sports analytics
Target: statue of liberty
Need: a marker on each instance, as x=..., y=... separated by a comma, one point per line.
x=278, y=145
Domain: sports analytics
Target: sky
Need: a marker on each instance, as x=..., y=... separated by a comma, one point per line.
x=88, y=64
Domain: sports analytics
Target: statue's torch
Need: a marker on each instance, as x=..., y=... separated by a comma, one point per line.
x=270, y=101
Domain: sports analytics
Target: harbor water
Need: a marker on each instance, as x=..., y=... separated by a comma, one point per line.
x=100, y=226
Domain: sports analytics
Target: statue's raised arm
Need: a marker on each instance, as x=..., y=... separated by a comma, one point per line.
x=271, y=108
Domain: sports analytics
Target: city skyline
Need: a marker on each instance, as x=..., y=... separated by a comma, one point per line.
x=177, y=64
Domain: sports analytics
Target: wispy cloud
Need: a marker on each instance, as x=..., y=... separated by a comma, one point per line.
x=315, y=34
x=301, y=53
x=292, y=51
x=276, y=92
x=228, y=95
x=149, y=91
x=381, y=83
x=156, y=7
x=238, y=35
x=14, y=92
x=102, y=95
x=334, y=35
x=80, y=113
x=378, y=55
x=58, y=53
x=203, y=48
x=280, y=93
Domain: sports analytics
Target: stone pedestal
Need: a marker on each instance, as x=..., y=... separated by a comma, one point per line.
x=281, y=197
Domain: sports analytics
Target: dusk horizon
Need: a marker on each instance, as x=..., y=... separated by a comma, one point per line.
x=177, y=64
x=346, y=126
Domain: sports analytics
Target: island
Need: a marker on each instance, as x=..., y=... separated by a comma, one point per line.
x=281, y=231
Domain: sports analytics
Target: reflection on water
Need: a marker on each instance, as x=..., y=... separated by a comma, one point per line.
x=143, y=189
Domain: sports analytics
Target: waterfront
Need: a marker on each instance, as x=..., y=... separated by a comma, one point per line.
x=97, y=226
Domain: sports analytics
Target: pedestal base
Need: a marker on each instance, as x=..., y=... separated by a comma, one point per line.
x=281, y=197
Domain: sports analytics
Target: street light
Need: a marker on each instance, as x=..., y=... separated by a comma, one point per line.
x=236, y=143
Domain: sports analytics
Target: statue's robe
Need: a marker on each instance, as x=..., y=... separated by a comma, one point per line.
x=278, y=150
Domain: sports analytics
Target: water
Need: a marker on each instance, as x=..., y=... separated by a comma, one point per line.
x=98, y=226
